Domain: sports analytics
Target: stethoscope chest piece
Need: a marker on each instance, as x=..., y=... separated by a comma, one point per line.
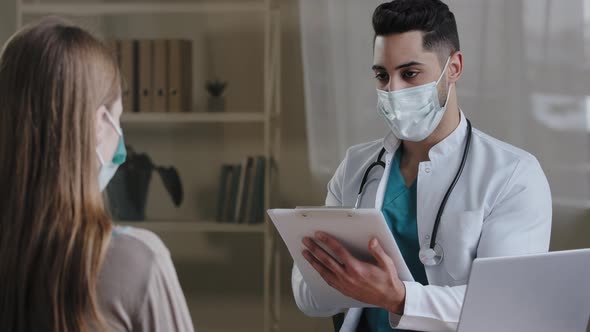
x=431, y=257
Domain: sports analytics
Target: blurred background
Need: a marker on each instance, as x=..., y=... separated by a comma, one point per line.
x=235, y=106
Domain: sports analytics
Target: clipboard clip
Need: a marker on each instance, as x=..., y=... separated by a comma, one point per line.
x=358, y=201
x=306, y=214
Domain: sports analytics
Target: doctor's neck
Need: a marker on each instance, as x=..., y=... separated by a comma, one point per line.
x=416, y=152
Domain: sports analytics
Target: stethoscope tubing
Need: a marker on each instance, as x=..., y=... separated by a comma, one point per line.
x=379, y=162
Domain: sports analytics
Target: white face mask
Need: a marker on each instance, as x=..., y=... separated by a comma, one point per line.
x=413, y=113
x=108, y=169
x=107, y=172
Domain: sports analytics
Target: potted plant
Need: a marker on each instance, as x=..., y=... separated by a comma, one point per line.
x=216, y=102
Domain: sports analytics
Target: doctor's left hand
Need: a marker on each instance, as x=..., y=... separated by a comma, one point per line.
x=374, y=283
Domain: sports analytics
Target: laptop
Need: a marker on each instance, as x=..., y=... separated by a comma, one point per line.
x=537, y=293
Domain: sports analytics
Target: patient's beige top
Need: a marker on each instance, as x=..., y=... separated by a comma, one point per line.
x=138, y=288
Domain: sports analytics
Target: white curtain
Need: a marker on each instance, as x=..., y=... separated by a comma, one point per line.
x=337, y=43
x=526, y=82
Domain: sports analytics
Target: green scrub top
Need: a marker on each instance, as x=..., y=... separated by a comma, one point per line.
x=399, y=209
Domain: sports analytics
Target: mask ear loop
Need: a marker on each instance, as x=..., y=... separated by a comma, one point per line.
x=100, y=158
x=448, y=95
x=441, y=76
x=444, y=70
x=117, y=129
x=112, y=121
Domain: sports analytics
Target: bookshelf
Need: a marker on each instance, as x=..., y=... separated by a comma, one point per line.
x=92, y=9
x=196, y=117
x=262, y=119
x=194, y=226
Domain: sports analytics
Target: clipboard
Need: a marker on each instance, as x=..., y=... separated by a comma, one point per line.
x=354, y=228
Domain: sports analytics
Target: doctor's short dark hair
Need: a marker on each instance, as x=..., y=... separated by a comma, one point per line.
x=432, y=17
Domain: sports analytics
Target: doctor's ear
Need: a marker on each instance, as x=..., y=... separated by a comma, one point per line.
x=100, y=124
x=455, y=69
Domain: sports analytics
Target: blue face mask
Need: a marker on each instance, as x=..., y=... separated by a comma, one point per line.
x=108, y=169
x=121, y=153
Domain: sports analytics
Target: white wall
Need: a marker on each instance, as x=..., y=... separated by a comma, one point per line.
x=7, y=19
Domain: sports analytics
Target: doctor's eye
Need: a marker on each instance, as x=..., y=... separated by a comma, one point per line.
x=409, y=74
x=382, y=77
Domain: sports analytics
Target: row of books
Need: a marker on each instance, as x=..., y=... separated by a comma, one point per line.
x=156, y=74
x=241, y=192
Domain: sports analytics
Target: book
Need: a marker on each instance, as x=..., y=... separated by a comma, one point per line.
x=252, y=195
x=250, y=198
x=257, y=213
x=230, y=207
x=222, y=195
x=243, y=189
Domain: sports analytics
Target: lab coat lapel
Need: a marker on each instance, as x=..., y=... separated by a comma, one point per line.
x=383, y=183
x=391, y=144
x=434, y=178
x=352, y=319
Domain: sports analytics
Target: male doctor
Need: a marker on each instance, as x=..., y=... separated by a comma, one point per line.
x=500, y=204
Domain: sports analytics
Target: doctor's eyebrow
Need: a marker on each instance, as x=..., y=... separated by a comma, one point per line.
x=404, y=65
x=409, y=64
x=378, y=68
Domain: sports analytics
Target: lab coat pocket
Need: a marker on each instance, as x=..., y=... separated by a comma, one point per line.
x=460, y=236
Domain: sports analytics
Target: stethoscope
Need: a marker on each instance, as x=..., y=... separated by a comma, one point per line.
x=432, y=254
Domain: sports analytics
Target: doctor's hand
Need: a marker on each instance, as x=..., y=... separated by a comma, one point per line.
x=374, y=283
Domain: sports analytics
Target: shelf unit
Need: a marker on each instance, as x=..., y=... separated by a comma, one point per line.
x=267, y=118
x=194, y=226
x=193, y=117
x=140, y=8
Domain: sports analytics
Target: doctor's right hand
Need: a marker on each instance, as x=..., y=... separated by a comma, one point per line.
x=373, y=283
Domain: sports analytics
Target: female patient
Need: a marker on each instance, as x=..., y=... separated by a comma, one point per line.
x=63, y=265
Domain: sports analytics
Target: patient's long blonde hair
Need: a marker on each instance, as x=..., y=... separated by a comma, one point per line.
x=54, y=230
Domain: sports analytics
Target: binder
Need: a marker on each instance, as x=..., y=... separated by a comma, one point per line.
x=179, y=75
x=251, y=198
x=145, y=75
x=126, y=63
x=187, y=79
x=160, y=63
x=174, y=76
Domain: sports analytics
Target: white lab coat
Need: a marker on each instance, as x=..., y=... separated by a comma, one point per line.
x=501, y=206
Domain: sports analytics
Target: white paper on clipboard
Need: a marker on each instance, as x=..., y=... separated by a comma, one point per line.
x=354, y=228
